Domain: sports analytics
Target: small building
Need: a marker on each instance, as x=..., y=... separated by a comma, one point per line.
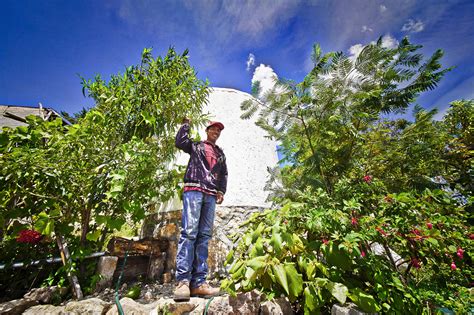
x=15, y=115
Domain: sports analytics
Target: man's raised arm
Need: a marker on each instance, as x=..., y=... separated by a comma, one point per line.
x=182, y=140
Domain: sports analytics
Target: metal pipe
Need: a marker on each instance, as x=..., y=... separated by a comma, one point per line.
x=47, y=260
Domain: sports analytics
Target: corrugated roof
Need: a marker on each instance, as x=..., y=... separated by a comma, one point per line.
x=14, y=115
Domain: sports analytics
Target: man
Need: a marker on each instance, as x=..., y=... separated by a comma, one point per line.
x=205, y=183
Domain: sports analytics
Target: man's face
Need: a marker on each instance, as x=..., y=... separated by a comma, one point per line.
x=213, y=133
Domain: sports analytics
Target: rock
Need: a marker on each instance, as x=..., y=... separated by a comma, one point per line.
x=378, y=249
x=244, y=303
x=131, y=307
x=347, y=309
x=88, y=306
x=194, y=306
x=167, y=277
x=46, y=309
x=156, y=265
x=16, y=306
x=148, y=296
x=46, y=294
x=106, y=269
x=280, y=306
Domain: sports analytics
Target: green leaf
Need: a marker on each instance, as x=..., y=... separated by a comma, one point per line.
x=295, y=280
x=297, y=245
x=236, y=266
x=133, y=292
x=257, y=248
x=44, y=224
x=258, y=232
x=365, y=301
x=276, y=240
x=115, y=223
x=338, y=257
x=94, y=236
x=310, y=270
x=280, y=275
x=229, y=258
x=257, y=262
x=338, y=290
x=310, y=299
x=433, y=241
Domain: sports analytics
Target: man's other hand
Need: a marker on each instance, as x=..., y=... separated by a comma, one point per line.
x=220, y=198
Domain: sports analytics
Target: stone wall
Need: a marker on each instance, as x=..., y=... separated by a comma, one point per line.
x=166, y=225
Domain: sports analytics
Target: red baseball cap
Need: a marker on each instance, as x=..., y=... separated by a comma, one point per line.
x=215, y=123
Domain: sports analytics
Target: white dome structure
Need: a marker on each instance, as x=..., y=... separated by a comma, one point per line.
x=248, y=152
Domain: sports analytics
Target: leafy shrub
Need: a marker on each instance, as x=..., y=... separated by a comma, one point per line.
x=360, y=214
x=389, y=253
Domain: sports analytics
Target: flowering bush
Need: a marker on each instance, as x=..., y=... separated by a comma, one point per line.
x=376, y=251
x=29, y=236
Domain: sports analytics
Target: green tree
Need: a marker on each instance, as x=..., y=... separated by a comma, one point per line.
x=337, y=103
x=85, y=180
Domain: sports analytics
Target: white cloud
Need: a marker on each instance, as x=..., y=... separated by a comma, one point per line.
x=248, y=20
x=413, y=26
x=388, y=41
x=355, y=50
x=250, y=61
x=383, y=8
x=365, y=28
x=267, y=78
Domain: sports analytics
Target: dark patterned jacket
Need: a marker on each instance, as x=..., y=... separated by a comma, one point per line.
x=198, y=173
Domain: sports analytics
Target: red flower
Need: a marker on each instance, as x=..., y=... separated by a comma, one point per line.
x=367, y=179
x=453, y=266
x=381, y=231
x=460, y=253
x=429, y=225
x=325, y=241
x=29, y=236
x=354, y=221
x=362, y=254
x=471, y=236
x=415, y=263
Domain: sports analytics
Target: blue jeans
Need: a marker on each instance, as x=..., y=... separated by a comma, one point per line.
x=196, y=231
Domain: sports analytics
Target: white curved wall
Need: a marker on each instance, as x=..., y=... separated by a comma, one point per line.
x=247, y=150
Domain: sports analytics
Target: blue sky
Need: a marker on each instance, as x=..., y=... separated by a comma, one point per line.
x=45, y=45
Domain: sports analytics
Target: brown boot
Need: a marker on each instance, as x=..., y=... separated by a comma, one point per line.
x=181, y=292
x=205, y=291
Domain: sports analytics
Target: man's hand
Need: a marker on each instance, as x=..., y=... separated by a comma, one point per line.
x=220, y=198
x=186, y=120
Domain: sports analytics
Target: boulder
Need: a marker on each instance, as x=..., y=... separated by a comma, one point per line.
x=46, y=309
x=16, y=306
x=194, y=306
x=106, y=269
x=88, y=306
x=243, y=304
x=130, y=307
x=280, y=306
x=46, y=294
x=347, y=309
